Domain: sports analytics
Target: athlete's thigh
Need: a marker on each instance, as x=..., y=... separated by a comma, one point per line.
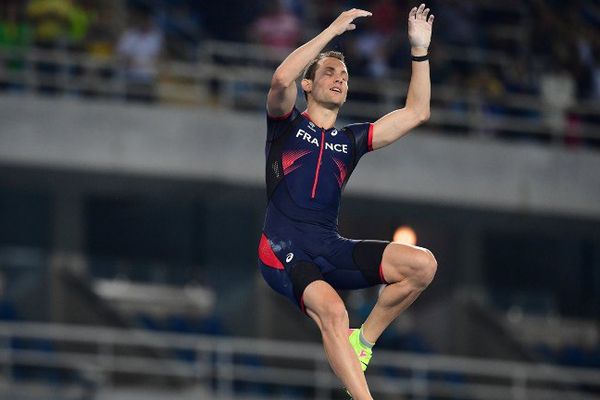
x=287, y=269
x=353, y=264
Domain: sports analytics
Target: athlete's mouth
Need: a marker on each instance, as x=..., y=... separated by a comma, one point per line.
x=336, y=89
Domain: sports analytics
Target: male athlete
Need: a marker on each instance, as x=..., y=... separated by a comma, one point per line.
x=301, y=254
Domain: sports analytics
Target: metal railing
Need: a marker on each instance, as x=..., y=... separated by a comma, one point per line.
x=236, y=75
x=97, y=358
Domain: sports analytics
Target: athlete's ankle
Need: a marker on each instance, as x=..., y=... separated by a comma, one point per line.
x=363, y=340
x=363, y=394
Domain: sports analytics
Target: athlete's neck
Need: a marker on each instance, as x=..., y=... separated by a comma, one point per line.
x=321, y=116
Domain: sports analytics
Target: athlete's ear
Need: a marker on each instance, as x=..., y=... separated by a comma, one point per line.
x=306, y=85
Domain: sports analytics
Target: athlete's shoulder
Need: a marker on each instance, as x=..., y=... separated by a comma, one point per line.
x=277, y=125
x=362, y=133
x=358, y=127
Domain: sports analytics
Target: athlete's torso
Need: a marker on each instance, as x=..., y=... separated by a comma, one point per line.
x=307, y=169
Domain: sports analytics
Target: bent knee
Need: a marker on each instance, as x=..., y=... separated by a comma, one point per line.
x=333, y=315
x=415, y=264
x=425, y=269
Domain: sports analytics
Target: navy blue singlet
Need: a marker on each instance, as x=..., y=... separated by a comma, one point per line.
x=306, y=171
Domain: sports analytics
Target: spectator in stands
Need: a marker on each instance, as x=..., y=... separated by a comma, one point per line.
x=386, y=14
x=585, y=62
x=82, y=16
x=371, y=45
x=140, y=48
x=60, y=23
x=51, y=22
x=99, y=45
x=460, y=19
x=15, y=37
x=558, y=94
x=183, y=30
x=99, y=42
x=487, y=85
x=277, y=27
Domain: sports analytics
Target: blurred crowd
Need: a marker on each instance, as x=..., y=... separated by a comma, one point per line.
x=550, y=49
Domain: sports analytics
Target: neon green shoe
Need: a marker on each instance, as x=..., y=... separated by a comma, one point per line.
x=363, y=352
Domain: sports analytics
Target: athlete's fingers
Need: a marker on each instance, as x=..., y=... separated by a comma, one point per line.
x=420, y=10
x=356, y=11
x=354, y=14
x=359, y=10
x=430, y=20
x=343, y=22
x=425, y=12
x=361, y=13
x=412, y=13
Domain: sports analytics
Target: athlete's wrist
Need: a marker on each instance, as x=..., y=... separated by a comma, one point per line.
x=332, y=31
x=419, y=51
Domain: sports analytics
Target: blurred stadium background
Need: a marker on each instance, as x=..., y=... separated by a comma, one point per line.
x=131, y=200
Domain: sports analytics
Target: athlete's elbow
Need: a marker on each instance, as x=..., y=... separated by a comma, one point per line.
x=423, y=116
x=281, y=80
x=419, y=115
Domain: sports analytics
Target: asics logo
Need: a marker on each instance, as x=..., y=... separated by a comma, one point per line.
x=289, y=257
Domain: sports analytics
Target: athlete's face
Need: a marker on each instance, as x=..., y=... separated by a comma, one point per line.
x=330, y=85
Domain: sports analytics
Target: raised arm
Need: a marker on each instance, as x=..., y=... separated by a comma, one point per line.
x=396, y=124
x=282, y=94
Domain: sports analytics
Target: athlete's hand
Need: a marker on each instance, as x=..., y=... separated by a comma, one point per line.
x=345, y=21
x=419, y=27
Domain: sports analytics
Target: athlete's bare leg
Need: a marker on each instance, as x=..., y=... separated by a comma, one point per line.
x=409, y=270
x=325, y=306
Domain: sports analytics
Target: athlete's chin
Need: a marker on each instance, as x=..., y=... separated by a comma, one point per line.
x=333, y=104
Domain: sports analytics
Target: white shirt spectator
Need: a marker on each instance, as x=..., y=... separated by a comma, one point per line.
x=558, y=94
x=141, y=49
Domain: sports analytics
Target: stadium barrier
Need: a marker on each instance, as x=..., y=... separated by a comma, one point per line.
x=237, y=75
x=89, y=360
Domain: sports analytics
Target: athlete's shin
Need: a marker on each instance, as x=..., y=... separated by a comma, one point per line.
x=345, y=364
x=326, y=308
x=393, y=300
